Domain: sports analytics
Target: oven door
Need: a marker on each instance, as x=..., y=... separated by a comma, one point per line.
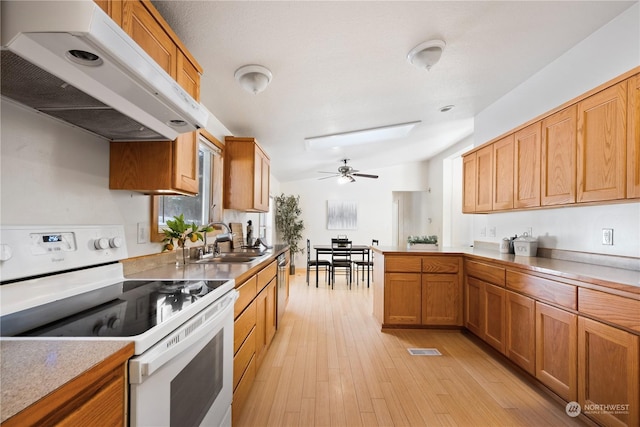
x=186, y=379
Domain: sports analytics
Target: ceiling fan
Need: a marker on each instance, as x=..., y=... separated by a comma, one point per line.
x=346, y=173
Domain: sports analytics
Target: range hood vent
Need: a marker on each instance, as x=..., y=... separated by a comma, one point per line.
x=69, y=60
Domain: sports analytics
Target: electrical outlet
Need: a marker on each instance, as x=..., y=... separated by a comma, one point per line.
x=143, y=233
x=529, y=231
x=483, y=232
x=492, y=232
x=607, y=236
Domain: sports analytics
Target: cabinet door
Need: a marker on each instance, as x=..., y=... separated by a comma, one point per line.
x=633, y=138
x=474, y=305
x=402, y=299
x=469, y=183
x=261, y=326
x=494, y=330
x=261, y=181
x=556, y=350
x=138, y=22
x=441, y=300
x=602, y=147
x=187, y=76
x=185, y=163
x=270, y=314
x=484, y=176
x=526, y=174
x=503, y=174
x=520, y=326
x=608, y=372
x=558, y=177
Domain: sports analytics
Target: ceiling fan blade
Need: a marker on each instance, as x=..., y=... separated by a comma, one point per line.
x=365, y=175
x=330, y=176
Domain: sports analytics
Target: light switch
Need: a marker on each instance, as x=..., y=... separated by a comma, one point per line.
x=607, y=236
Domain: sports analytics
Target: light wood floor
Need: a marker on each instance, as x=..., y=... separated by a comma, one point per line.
x=329, y=365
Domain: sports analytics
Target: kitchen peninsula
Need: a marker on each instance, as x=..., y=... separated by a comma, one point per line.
x=560, y=321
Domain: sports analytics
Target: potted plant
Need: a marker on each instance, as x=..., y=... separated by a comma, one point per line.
x=181, y=231
x=289, y=224
x=422, y=242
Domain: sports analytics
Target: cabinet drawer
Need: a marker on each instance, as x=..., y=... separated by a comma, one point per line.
x=486, y=272
x=440, y=264
x=610, y=308
x=247, y=293
x=243, y=357
x=265, y=276
x=241, y=392
x=243, y=325
x=403, y=264
x=543, y=289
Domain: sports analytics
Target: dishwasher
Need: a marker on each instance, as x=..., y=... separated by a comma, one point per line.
x=283, y=287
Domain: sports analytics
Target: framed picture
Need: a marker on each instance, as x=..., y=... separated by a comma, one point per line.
x=342, y=215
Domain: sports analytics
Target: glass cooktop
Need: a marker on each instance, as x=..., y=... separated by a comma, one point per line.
x=141, y=305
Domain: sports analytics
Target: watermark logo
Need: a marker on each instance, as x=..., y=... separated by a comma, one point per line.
x=573, y=409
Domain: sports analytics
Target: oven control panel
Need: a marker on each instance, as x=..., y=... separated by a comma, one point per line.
x=35, y=250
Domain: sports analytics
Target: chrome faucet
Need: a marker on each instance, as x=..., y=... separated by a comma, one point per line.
x=221, y=237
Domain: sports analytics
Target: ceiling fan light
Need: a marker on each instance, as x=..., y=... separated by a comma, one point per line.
x=253, y=78
x=426, y=54
x=344, y=179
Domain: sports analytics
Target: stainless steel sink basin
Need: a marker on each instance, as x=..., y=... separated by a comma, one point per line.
x=228, y=257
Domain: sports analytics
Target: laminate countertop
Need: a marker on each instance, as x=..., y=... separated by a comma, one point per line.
x=32, y=369
x=619, y=279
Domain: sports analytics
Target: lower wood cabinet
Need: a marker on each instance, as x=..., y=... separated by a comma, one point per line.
x=441, y=299
x=265, y=320
x=608, y=373
x=520, y=345
x=402, y=298
x=556, y=350
x=485, y=312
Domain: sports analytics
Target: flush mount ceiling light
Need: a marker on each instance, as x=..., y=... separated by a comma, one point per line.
x=446, y=108
x=363, y=136
x=426, y=54
x=253, y=78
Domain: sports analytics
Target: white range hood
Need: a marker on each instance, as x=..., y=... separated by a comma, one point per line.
x=70, y=60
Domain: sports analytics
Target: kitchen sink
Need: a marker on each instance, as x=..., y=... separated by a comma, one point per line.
x=229, y=257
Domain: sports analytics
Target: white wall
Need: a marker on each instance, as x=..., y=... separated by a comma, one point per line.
x=605, y=54
x=374, y=198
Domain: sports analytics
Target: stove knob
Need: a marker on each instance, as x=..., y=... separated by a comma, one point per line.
x=5, y=252
x=100, y=329
x=115, y=242
x=114, y=323
x=101, y=243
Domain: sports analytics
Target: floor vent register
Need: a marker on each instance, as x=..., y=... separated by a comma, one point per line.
x=424, y=352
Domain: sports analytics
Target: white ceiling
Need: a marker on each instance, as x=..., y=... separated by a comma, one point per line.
x=341, y=66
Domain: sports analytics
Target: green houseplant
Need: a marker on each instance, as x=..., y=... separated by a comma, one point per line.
x=289, y=224
x=181, y=231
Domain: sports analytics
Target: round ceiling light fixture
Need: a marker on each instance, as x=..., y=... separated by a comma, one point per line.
x=446, y=108
x=426, y=54
x=253, y=78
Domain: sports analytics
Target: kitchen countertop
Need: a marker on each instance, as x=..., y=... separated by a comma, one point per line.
x=609, y=277
x=32, y=369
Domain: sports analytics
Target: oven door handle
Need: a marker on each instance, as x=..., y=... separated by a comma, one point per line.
x=171, y=346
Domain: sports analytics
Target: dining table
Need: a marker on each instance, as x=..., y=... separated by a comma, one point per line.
x=363, y=250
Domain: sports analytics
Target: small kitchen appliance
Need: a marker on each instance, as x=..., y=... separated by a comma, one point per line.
x=65, y=282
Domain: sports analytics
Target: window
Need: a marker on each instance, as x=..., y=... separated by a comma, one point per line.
x=204, y=208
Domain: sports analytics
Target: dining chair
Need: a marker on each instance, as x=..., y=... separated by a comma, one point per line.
x=364, y=265
x=316, y=264
x=340, y=259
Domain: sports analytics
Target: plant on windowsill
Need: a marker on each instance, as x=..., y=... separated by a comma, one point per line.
x=181, y=231
x=289, y=224
x=422, y=242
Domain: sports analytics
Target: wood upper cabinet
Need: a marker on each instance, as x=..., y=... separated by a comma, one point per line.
x=608, y=372
x=469, y=183
x=556, y=350
x=558, y=175
x=601, y=142
x=633, y=138
x=144, y=29
x=484, y=179
x=526, y=172
x=113, y=8
x=159, y=167
x=188, y=76
x=246, y=175
x=520, y=330
x=502, y=179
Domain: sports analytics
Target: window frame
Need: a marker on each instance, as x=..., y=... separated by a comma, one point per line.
x=156, y=234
